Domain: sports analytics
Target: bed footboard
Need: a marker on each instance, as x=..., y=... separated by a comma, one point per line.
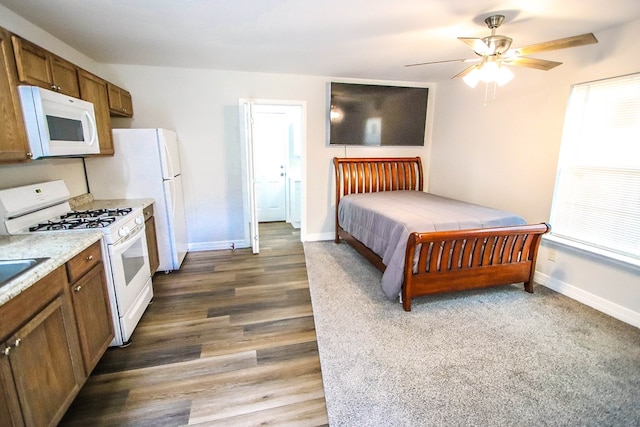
x=457, y=260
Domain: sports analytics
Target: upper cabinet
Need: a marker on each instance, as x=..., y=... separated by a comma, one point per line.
x=94, y=89
x=120, y=102
x=39, y=67
x=13, y=138
x=23, y=62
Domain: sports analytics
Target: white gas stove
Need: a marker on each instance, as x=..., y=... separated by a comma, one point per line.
x=45, y=208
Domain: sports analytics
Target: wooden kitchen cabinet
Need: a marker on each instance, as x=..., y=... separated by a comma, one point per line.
x=27, y=63
x=10, y=412
x=65, y=76
x=120, y=102
x=91, y=304
x=13, y=138
x=152, y=240
x=41, y=370
x=94, y=89
x=39, y=67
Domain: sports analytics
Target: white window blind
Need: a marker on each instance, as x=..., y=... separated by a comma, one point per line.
x=597, y=196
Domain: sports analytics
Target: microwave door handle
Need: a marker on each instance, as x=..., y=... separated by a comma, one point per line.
x=94, y=128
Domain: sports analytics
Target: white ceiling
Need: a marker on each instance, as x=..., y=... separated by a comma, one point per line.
x=341, y=38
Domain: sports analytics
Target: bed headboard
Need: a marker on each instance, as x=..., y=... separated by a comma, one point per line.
x=370, y=175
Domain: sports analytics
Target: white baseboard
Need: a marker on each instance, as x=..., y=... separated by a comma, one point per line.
x=319, y=237
x=612, y=309
x=216, y=246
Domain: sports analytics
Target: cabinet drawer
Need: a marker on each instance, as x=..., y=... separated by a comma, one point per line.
x=84, y=261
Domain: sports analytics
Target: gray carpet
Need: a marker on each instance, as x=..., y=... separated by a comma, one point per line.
x=496, y=357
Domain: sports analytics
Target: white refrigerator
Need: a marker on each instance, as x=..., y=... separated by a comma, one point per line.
x=146, y=164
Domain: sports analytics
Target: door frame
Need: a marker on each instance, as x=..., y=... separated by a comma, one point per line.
x=251, y=228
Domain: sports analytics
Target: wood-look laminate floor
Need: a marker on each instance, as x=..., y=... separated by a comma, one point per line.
x=228, y=340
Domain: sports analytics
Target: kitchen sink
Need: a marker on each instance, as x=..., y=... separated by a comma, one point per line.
x=11, y=268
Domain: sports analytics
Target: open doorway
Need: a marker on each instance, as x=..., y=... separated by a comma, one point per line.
x=273, y=141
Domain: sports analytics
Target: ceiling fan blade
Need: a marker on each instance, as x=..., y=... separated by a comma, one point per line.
x=564, y=43
x=443, y=62
x=464, y=72
x=477, y=45
x=538, y=64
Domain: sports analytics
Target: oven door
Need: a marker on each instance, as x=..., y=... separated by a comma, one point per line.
x=130, y=268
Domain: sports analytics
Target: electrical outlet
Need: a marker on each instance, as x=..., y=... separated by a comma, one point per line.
x=551, y=254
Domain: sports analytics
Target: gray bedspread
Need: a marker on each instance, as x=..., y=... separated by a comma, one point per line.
x=383, y=221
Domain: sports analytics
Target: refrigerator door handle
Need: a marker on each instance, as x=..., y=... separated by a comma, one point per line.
x=167, y=155
x=172, y=190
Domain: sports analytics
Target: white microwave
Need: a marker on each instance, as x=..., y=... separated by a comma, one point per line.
x=57, y=124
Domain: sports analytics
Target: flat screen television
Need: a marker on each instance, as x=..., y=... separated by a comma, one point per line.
x=375, y=115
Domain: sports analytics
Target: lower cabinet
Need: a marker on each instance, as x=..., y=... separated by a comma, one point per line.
x=51, y=337
x=93, y=316
x=152, y=240
x=41, y=367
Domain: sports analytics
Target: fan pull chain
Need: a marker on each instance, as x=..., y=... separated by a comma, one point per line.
x=486, y=91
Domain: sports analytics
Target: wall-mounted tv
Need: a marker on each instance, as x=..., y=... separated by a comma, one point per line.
x=374, y=115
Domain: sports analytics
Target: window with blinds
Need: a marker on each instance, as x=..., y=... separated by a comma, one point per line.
x=596, y=202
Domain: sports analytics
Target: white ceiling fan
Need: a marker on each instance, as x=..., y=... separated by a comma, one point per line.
x=494, y=51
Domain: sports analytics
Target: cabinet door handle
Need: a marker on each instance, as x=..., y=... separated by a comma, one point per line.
x=8, y=348
x=77, y=288
x=90, y=257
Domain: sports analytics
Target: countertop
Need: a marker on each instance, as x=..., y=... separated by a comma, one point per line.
x=113, y=203
x=58, y=247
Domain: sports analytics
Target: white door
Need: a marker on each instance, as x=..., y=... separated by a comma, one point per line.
x=270, y=142
x=246, y=110
x=273, y=135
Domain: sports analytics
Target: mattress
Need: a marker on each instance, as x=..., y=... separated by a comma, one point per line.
x=382, y=221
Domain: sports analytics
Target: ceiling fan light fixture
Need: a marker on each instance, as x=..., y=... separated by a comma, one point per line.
x=490, y=71
x=503, y=76
x=494, y=52
x=472, y=78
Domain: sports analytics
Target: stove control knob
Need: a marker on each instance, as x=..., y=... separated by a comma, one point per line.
x=139, y=220
x=123, y=231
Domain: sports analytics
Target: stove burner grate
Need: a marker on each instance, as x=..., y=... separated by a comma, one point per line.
x=74, y=223
x=95, y=213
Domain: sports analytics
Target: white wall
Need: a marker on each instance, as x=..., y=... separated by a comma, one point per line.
x=202, y=106
x=505, y=154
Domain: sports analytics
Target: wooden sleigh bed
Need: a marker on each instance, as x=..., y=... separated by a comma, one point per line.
x=438, y=261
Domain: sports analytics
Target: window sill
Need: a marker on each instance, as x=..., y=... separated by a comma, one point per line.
x=601, y=255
